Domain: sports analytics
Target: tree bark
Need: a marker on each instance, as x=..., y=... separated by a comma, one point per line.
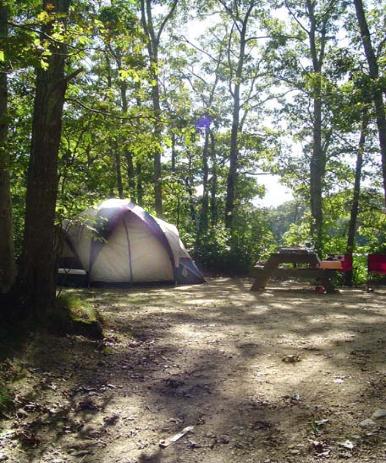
x=139, y=183
x=203, y=221
x=158, y=206
x=131, y=175
x=174, y=153
x=234, y=149
x=317, y=168
x=376, y=87
x=128, y=154
x=318, y=156
x=213, y=183
x=356, y=193
x=7, y=252
x=118, y=172
x=38, y=264
x=233, y=160
x=189, y=188
x=153, y=39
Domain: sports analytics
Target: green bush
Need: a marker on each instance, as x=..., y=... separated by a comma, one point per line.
x=234, y=253
x=6, y=399
x=76, y=316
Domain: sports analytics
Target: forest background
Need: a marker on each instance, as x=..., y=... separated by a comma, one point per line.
x=181, y=106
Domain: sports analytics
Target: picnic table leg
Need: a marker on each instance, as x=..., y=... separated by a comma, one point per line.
x=261, y=278
x=327, y=282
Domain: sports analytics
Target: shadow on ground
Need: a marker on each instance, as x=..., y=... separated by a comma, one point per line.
x=252, y=372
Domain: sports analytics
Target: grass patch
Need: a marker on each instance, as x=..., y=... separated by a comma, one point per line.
x=6, y=399
x=74, y=315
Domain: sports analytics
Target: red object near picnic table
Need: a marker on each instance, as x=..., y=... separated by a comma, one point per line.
x=376, y=263
x=376, y=266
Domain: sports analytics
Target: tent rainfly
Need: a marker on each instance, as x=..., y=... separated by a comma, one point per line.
x=119, y=242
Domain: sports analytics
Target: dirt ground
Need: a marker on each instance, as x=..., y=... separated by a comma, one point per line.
x=286, y=375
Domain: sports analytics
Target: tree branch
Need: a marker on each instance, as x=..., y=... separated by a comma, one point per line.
x=295, y=18
x=106, y=113
x=166, y=19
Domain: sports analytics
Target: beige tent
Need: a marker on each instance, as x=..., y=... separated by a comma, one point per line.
x=118, y=242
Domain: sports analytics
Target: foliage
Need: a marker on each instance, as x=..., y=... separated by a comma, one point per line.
x=109, y=138
x=5, y=398
x=76, y=316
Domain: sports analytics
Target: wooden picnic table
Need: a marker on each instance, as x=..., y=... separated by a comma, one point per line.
x=305, y=265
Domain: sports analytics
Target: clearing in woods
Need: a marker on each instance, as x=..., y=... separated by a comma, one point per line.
x=282, y=376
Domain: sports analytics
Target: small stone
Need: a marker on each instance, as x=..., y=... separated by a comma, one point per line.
x=224, y=439
x=368, y=423
x=347, y=444
x=321, y=422
x=193, y=444
x=292, y=358
x=3, y=457
x=111, y=420
x=82, y=453
x=378, y=414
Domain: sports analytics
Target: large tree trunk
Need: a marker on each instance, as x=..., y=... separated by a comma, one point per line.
x=233, y=159
x=158, y=206
x=355, y=200
x=317, y=169
x=234, y=149
x=318, y=156
x=376, y=87
x=38, y=264
x=7, y=257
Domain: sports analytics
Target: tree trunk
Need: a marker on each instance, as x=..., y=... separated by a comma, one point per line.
x=157, y=150
x=174, y=153
x=318, y=156
x=213, y=182
x=139, y=184
x=233, y=160
x=203, y=222
x=38, y=264
x=234, y=149
x=130, y=175
x=153, y=39
x=7, y=253
x=376, y=87
x=355, y=201
x=118, y=172
x=189, y=187
x=317, y=169
x=128, y=154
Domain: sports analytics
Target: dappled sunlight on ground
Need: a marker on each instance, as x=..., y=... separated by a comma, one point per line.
x=252, y=372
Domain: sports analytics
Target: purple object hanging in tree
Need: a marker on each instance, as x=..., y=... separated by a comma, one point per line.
x=203, y=123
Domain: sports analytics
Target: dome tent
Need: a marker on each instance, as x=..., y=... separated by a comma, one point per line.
x=119, y=243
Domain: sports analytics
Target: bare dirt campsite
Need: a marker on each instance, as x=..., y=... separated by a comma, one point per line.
x=209, y=373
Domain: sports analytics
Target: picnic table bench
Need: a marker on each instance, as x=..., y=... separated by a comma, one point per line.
x=306, y=265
